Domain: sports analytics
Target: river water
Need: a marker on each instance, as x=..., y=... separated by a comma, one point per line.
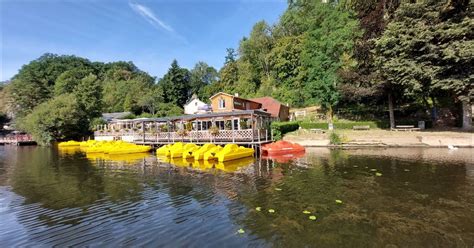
x=387, y=198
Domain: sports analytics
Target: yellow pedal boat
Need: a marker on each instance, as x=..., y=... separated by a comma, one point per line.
x=211, y=153
x=69, y=143
x=233, y=151
x=163, y=151
x=177, y=151
x=189, y=153
x=199, y=154
x=126, y=149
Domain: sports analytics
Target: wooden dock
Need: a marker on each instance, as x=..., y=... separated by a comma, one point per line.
x=17, y=140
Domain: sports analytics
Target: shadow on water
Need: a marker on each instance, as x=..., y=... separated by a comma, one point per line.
x=393, y=198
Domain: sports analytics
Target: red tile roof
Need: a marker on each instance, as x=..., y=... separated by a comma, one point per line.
x=271, y=105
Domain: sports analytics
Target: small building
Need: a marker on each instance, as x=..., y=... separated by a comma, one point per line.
x=223, y=102
x=195, y=106
x=277, y=110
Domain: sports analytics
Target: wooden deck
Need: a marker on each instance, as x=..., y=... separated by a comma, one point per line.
x=17, y=139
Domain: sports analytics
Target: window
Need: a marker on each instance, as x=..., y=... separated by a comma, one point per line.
x=221, y=103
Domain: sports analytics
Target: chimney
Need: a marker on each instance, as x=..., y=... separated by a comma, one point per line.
x=236, y=94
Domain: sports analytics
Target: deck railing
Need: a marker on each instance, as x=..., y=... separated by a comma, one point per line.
x=194, y=136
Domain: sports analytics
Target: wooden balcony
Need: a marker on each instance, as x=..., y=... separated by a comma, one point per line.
x=246, y=136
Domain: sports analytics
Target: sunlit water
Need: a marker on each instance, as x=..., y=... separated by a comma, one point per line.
x=390, y=198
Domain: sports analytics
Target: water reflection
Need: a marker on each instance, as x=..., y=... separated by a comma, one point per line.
x=65, y=197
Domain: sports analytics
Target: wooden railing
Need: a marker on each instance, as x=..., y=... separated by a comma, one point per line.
x=195, y=136
x=16, y=138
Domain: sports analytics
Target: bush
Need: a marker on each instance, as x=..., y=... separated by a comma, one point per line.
x=334, y=139
x=314, y=125
x=344, y=125
x=281, y=128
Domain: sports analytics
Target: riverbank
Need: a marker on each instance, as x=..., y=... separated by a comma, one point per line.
x=384, y=138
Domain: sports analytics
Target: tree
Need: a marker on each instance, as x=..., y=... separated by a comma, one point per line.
x=175, y=84
x=229, y=73
x=328, y=43
x=424, y=53
x=56, y=119
x=68, y=80
x=200, y=76
x=35, y=81
x=89, y=96
x=152, y=99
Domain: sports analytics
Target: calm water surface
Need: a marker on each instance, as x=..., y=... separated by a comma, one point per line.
x=421, y=198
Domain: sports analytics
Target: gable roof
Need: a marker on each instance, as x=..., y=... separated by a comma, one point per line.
x=271, y=105
x=227, y=94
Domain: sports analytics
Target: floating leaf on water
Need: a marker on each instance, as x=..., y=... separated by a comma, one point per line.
x=312, y=217
x=278, y=189
x=378, y=174
x=258, y=208
x=373, y=169
x=345, y=172
x=339, y=201
x=306, y=212
x=271, y=210
x=406, y=170
x=241, y=231
x=355, y=166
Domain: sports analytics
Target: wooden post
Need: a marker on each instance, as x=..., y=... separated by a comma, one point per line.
x=233, y=130
x=143, y=131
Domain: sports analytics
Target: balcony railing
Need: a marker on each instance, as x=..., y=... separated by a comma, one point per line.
x=193, y=136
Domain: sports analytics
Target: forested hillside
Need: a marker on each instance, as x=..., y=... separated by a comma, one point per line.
x=375, y=55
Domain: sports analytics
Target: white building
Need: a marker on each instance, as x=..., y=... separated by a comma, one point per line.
x=195, y=106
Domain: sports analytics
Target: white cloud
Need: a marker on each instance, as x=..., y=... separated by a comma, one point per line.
x=148, y=14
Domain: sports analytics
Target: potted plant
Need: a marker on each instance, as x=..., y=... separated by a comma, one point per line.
x=164, y=128
x=214, y=130
x=182, y=132
x=243, y=124
x=228, y=125
x=189, y=126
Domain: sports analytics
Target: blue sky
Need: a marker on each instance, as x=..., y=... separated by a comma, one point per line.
x=149, y=33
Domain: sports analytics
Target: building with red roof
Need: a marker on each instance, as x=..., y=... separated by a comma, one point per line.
x=277, y=110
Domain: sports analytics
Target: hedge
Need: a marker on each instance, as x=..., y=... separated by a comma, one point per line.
x=344, y=125
x=281, y=128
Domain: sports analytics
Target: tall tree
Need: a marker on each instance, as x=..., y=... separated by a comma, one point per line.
x=175, y=84
x=229, y=74
x=328, y=45
x=421, y=51
x=202, y=75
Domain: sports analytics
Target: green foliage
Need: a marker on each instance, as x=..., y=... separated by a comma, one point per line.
x=334, y=139
x=202, y=75
x=130, y=116
x=424, y=52
x=97, y=121
x=168, y=109
x=344, y=125
x=57, y=119
x=314, y=125
x=328, y=45
x=175, y=85
x=35, y=81
x=281, y=128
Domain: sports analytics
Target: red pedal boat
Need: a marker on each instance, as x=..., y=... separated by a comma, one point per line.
x=282, y=148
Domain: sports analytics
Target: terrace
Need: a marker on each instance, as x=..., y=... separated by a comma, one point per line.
x=250, y=127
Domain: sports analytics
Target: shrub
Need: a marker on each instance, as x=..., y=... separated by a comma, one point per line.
x=344, y=125
x=334, y=139
x=281, y=128
x=314, y=125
